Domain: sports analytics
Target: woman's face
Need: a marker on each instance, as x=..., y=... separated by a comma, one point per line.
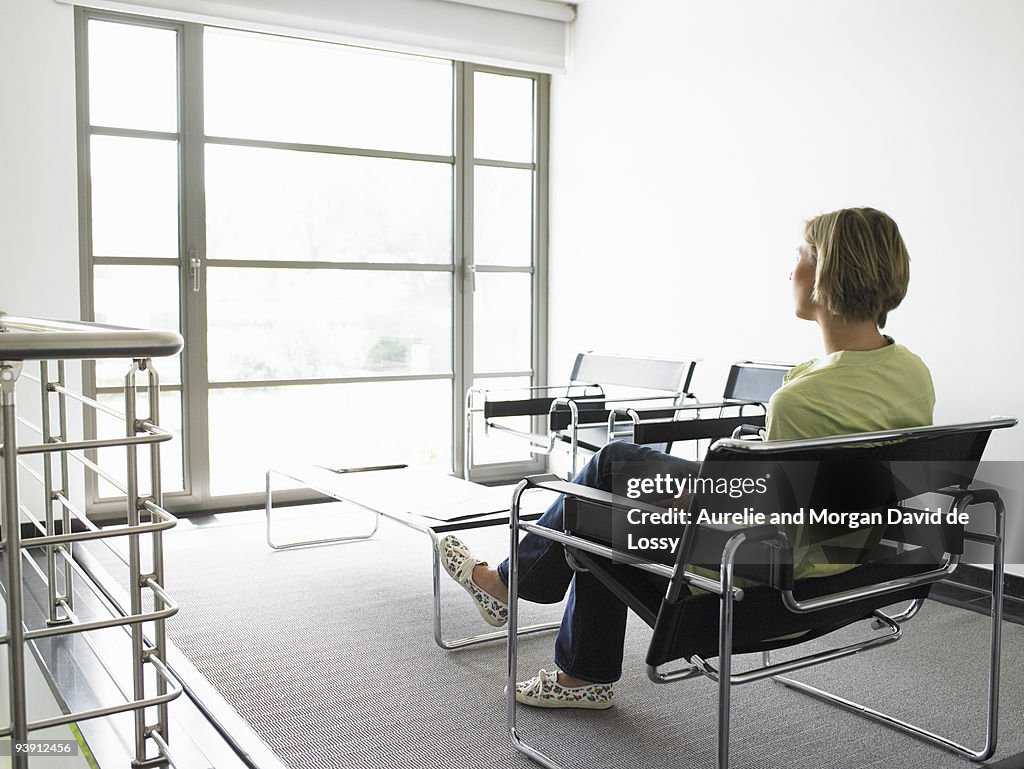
x=802, y=279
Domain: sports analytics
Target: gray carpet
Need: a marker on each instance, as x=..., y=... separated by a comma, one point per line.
x=328, y=653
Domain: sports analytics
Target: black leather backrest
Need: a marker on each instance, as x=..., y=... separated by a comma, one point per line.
x=865, y=477
x=842, y=478
x=753, y=381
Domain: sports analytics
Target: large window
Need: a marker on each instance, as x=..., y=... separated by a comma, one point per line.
x=347, y=238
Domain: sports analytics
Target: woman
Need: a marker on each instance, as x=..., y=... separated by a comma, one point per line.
x=851, y=271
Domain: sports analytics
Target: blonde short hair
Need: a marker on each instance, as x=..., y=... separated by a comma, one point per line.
x=862, y=266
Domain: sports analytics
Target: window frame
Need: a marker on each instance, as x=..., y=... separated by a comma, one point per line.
x=191, y=142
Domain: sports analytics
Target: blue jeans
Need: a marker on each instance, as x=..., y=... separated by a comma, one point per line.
x=590, y=640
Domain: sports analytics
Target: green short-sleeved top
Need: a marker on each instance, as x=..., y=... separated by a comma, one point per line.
x=852, y=392
x=848, y=392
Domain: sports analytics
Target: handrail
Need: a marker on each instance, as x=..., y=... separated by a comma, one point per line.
x=23, y=338
x=42, y=341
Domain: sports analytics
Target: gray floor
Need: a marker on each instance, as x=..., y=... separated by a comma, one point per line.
x=327, y=653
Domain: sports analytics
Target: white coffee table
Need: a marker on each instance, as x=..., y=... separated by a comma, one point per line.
x=423, y=500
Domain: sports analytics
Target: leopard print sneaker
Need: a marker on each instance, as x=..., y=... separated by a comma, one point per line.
x=544, y=691
x=459, y=563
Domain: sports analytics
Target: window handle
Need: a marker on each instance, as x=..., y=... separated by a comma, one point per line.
x=195, y=267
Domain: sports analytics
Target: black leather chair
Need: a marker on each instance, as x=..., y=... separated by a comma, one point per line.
x=576, y=413
x=756, y=600
x=743, y=406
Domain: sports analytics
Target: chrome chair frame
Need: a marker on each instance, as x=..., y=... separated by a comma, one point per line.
x=729, y=593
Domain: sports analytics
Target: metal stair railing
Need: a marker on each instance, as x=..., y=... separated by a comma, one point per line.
x=43, y=341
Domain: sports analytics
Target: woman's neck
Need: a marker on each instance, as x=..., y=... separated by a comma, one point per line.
x=859, y=336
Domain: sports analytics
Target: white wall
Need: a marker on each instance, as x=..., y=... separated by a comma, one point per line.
x=38, y=191
x=39, y=273
x=690, y=140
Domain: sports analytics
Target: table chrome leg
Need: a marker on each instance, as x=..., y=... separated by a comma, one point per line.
x=460, y=643
x=269, y=509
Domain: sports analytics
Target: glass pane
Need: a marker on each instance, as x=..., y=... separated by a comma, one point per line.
x=299, y=324
x=496, y=446
x=306, y=206
x=503, y=117
x=503, y=216
x=134, y=197
x=502, y=313
x=348, y=425
x=114, y=460
x=284, y=89
x=143, y=296
x=133, y=76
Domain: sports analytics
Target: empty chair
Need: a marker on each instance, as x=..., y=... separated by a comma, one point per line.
x=575, y=414
x=748, y=388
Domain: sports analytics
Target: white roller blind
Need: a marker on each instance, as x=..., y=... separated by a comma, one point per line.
x=524, y=34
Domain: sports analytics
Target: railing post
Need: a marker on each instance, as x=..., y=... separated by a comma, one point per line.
x=157, y=541
x=53, y=596
x=65, y=490
x=9, y=372
x=135, y=564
